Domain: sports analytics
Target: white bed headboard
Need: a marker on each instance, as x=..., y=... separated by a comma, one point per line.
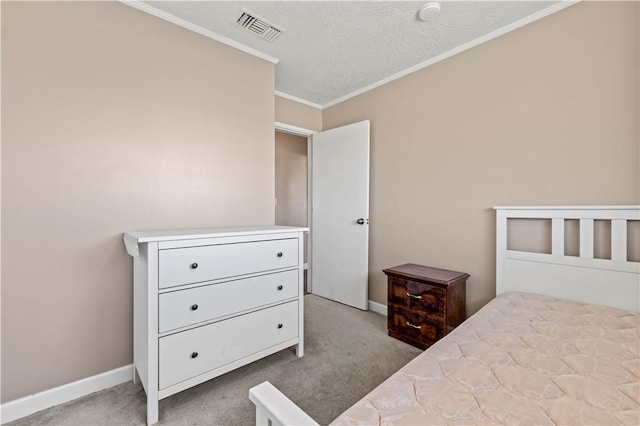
x=612, y=282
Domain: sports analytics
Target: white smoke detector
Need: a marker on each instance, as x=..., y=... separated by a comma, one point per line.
x=429, y=11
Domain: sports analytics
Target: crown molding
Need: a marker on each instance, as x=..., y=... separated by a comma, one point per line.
x=299, y=100
x=473, y=43
x=137, y=4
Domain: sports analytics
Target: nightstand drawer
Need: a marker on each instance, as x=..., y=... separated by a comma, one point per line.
x=413, y=328
x=205, y=263
x=417, y=296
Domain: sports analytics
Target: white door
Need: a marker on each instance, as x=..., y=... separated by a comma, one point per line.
x=339, y=191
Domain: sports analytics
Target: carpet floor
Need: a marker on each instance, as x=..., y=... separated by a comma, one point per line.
x=347, y=354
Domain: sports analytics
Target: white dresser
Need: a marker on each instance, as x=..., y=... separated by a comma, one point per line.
x=208, y=301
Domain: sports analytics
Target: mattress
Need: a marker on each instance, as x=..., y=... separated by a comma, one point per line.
x=522, y=359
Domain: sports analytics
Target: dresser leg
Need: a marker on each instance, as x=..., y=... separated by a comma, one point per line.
x=300, y=350
x=152, y=411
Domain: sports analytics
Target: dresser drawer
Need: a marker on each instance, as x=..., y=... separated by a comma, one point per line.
x=197, y=264
x=190, y=353
x=185, y=307
x=417, y=296
x=413, y=328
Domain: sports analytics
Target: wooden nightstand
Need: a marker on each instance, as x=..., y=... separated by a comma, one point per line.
x=424, y=304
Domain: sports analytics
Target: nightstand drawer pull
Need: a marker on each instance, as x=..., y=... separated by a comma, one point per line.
x=417, y=327
x=413, y=296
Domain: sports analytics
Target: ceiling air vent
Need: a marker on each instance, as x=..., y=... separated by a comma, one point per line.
x=258, y=26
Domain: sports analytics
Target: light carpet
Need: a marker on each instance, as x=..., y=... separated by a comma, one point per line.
x=347, y=354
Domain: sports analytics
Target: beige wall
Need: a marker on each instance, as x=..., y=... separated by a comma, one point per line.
x=547, y=114
x=291, y=179
x=297, y=114
x=113, y=121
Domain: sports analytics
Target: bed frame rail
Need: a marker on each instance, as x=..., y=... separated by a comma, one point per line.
x=275, y=409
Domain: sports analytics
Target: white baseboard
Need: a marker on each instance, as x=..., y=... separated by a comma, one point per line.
x=23, y=407
x=378, y=308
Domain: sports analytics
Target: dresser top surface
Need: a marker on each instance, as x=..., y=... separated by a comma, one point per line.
x=187, y=234
x=426, y=273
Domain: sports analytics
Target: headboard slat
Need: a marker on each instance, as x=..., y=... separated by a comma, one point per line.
x=557, y=236
x=586, y=238
x=619, y=240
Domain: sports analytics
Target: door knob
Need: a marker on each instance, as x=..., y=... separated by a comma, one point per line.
x=360, y=221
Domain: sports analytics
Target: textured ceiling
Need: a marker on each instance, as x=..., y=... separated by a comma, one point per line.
x=331, y=49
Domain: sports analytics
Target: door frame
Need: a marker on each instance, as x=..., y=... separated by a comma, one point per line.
x=308, y=133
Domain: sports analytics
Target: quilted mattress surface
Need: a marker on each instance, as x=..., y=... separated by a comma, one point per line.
x=522, y=359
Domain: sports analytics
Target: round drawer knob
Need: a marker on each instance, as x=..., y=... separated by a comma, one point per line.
x=279, y=325
x=279, y=254
x=280, y=287
x=194, y=265
x=194, y=307
x=194, y=355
